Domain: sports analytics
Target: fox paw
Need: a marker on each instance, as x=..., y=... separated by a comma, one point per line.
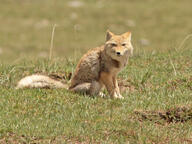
x=118, y=96
x=101, y=94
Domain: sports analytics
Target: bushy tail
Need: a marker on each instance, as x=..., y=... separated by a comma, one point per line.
x=39, y=81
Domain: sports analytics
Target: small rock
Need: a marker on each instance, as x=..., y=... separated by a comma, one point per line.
x=144, y=42
x=75, y=4
x=1, y=51
x=73, y=16
x=42, y=54
x=41, y=24
x=100, y=4
x=131, y=23
x=77, y=27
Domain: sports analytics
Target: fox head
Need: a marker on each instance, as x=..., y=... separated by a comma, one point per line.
x=118, y=47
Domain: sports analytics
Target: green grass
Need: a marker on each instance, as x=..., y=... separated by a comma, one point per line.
x=157, y=78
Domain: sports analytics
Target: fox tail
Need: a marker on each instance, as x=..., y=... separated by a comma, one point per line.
x=40, y=81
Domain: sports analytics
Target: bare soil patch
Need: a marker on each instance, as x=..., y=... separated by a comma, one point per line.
x=179, y=114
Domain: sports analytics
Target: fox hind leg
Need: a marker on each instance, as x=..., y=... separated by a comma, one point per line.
x=96, y=88
x=81, y=88
x=92, y=88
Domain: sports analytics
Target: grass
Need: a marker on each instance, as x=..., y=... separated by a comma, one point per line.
x=157, y=78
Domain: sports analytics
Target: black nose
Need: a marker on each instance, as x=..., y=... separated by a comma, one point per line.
x=118, y=53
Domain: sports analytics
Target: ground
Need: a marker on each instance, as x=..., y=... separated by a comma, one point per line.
x=156, y=84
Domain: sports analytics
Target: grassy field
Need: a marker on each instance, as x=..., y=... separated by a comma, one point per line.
x=156, y=84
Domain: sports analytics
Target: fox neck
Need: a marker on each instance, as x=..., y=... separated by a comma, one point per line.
x=111, y=65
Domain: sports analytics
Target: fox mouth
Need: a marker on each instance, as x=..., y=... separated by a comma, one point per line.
x=116, y=57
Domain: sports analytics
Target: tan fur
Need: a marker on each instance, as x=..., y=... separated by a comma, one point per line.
x=39, y=81
x=99, y=66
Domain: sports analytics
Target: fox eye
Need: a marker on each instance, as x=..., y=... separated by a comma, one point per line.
x=124, y=44
x=113, y=44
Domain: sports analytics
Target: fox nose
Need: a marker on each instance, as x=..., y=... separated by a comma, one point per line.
x=118, y=53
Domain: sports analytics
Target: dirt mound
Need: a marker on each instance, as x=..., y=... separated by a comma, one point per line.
x=179, y=114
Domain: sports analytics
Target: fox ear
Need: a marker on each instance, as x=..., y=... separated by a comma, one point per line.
x=109, y=35
x=127, y=35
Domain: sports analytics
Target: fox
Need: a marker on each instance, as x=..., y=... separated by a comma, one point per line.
x=96, y=69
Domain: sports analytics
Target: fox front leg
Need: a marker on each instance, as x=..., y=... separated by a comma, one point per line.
x=117, y=88
x=107, y=80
